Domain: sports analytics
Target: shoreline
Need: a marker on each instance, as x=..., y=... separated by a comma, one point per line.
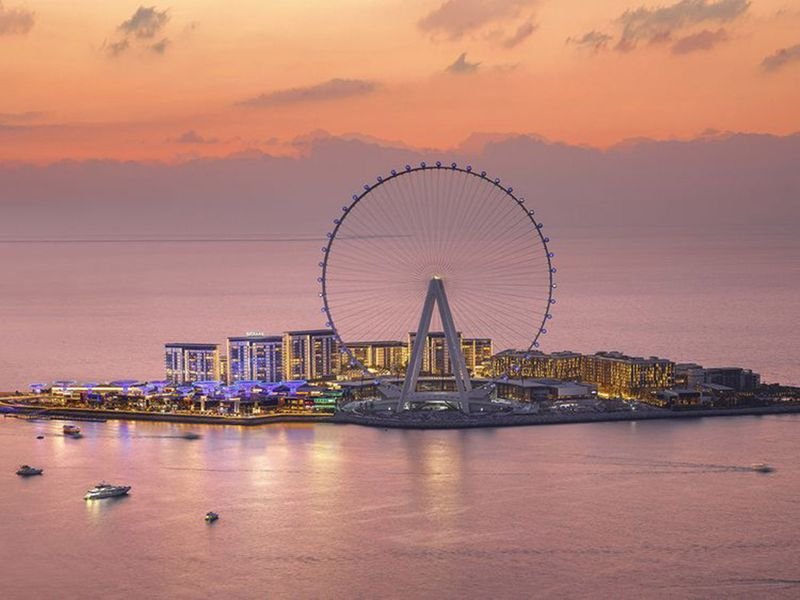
x=559, y=419
x=430, y=421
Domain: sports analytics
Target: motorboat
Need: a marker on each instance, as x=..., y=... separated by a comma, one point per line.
x=761, y=468
x=211, y=516
x=39, y=437
x=106, y=490
x=27, y=471
x=191, y=435
x=72, y=430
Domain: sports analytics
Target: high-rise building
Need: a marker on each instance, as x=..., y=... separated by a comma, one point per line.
x=310, y=354
x=477, y=353
x=187, y=362
x=255, y=357
x=616, y=374
x=384, y=356
x=435, y=355
x=566, y=366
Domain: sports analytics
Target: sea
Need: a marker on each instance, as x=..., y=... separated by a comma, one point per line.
x=652, y=509
x=100, y=308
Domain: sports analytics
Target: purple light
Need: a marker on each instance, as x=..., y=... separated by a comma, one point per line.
x=551, y=254
x=552, y=300
x=497, y=180
x=453, y=165
x=422, y=164
x=539, y=225
x=469, y=168
x=547, y=239
x=380, y=179
x=553, y=270
x=438, y=164
x=535, y=344
x=408, y=167
x=394, y=172
x=366, y=187
x=483, y=173
x=510, y=189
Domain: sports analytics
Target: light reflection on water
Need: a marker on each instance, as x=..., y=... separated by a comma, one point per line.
x=652, y=509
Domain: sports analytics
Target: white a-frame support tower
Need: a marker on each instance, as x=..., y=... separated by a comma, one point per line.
x=409, y=393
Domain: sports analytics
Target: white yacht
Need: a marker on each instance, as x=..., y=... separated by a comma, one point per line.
x=106, y=490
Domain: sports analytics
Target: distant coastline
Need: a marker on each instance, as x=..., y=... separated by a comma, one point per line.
x=432, y=420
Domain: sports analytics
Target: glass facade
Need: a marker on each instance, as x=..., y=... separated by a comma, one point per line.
x=311, y=354
x=186, y=363
x=255, y=358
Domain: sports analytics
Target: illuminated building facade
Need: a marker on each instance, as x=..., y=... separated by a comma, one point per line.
x=618, y=375
x=689, y=375
x=382, y=356
x=255, y=357
x=566, y=366
x=310, y=354
x=435, y=355
x=477, y=353
x=186, y=362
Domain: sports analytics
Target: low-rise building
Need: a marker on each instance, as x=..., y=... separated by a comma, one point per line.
x=630, y=377
x=564, y=365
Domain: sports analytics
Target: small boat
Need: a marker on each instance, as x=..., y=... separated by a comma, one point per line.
x=191, y=436
x=106, y=490
x=211, y=516
x=27, y=471
x=761, y=468
x=39, y=437
x=72, y=430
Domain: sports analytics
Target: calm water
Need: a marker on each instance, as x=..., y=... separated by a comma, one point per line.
x=622, y=510
x=100, y=311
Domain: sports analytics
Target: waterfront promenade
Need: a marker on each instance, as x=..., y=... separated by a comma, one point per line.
x=415, y=420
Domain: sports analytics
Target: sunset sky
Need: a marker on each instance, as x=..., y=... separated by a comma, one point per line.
x=185, y=78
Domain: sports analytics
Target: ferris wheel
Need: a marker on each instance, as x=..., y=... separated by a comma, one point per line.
x=437, y=234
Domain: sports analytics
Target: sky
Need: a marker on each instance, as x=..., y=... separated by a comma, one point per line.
x=184, y=79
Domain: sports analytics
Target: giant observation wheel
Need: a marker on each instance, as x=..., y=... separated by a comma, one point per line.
x=443, y=223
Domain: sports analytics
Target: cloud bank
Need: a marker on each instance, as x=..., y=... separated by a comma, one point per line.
x=703, y=40
x=15, y=21
x=139, y=31
x=462, y=66
x=333, y=89
x=659, y=24
x=780, y=58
